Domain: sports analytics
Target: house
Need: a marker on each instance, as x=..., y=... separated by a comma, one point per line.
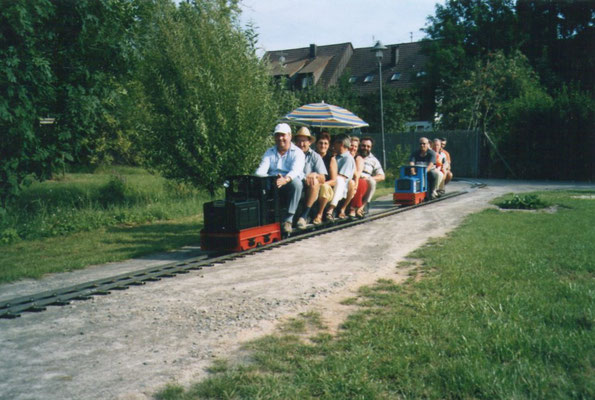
x=310, y=66
x=324, y=65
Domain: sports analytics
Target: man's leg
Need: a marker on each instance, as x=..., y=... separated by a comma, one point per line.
x=350, y=194
x=311, y=196
x=340, y=192
x=434, y=181
x=294, y=191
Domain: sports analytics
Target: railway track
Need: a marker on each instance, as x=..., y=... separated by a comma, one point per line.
x=13, y=308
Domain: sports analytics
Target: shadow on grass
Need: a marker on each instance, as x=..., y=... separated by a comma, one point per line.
x=34, y=259
x=143, y=240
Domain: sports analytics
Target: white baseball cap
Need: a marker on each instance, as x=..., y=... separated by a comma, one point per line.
x=282, y=128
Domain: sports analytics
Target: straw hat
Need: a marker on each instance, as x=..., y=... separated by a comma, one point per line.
x=303, y=131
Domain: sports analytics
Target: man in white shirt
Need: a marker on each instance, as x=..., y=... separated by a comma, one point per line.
x=372, y=172
x=285, y=161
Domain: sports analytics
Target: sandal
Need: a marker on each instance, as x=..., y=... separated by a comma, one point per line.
x=342, y=216
x=317, y=221
x=329, y=217
x=360, y=213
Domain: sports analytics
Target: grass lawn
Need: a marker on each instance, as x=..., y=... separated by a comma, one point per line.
x=500, y=309
x=82, y=219
x=35, y=258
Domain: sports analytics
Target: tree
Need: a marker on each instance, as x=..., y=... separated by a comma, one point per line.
x=399, y=106
x=558, y=37
x=461, y=33
x=210, y=98
x=61, y=59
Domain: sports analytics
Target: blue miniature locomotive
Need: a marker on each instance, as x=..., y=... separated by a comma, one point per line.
x=411, y=188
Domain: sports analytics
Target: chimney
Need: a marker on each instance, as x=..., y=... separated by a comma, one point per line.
x=395, y=55
x=312, y=50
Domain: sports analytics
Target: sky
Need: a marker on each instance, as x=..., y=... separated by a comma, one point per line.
x=289, y=24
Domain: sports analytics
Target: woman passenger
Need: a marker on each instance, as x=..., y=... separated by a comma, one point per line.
x=326, y=190
x=357, y=187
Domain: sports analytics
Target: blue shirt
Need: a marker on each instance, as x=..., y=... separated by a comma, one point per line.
x=314, y=163
x=345, y=165
x=290, y=164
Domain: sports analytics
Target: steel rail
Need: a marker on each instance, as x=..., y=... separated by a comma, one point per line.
x=12, y=308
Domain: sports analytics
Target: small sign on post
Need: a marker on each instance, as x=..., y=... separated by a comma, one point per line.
x=46, y=121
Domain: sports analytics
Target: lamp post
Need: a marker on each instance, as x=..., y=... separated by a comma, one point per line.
x=378, y=51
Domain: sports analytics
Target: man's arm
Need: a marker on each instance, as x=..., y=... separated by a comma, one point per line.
x=296, y=170
x=263, y=168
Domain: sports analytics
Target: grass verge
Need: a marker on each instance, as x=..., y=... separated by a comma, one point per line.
x=502, y=308
x=83, y=219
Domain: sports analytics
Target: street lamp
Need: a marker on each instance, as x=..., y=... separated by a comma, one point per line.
x=378, y=51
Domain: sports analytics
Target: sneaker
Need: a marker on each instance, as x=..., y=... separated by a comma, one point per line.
x=287, y=227
x=301, y=224
x=434, y=195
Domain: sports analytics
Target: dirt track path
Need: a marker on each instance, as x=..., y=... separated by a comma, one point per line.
x=129, y=344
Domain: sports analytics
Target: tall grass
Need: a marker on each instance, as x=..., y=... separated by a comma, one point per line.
x=500, y=309
x=78, y=202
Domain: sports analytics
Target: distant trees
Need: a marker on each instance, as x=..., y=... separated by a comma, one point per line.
x=496, y=65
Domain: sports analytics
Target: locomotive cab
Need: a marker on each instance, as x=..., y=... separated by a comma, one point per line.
x=411, y=188
x=249, y=216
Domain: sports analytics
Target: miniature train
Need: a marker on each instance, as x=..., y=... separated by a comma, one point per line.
x=251, y=214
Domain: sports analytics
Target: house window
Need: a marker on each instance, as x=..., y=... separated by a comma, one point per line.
x=368, y=78
x=307, y=81
x=395, y=77
x=353, y=79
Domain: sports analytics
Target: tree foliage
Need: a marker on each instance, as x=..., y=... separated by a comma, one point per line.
x=209, y=97
x=512, y=69
x=59, y=59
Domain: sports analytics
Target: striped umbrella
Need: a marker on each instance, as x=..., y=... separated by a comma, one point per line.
x=323, y=115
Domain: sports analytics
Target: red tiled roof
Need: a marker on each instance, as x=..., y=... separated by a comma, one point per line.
x=331, y=61
x=405, y=59
x=328, y=63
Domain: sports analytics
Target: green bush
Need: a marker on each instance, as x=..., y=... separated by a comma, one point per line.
x=399, y=156
x=527, y=202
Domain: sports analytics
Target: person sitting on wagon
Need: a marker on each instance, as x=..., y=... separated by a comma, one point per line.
x=448, y=176
x=346, y=169
x=357, y=187
x=440, y=164
x=426, y=157
x=285, y=161
x=314, y=173
x=372, y=172
x=323, y=144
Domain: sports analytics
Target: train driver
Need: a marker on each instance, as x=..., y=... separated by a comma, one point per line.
x=285, y=161
x=427, y=157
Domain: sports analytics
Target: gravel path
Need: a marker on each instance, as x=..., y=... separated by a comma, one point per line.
x=129, y=344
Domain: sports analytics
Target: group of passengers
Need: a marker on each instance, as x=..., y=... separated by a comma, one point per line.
x=341, y=168
x=436, y=159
